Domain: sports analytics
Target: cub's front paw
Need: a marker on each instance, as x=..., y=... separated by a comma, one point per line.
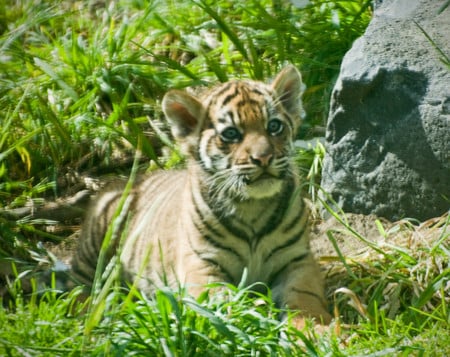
x=320, y=322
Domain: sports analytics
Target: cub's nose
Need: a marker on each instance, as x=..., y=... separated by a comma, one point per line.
x=261, y=160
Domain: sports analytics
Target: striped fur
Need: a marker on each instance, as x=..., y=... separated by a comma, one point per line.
x=236, y=207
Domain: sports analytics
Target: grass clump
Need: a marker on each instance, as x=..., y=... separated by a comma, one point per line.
x=396, y=285
x=39, y=325
x=231, y=323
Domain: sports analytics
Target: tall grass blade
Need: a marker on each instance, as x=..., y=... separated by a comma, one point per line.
x=20, y=142
x=340, y=255
x=444, y=58
x=217, y=322
x=372, y=245
x=97, y=302
x=224, y=27
x=433, y=287
x=48, y=69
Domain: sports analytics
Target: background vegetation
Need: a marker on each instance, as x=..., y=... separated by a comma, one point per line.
x=80, y=86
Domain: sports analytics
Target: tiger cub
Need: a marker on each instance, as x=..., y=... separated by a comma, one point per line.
x=235, y=208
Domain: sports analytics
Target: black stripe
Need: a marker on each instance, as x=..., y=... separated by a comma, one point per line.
x=102, y=228
x=227, y=222
x=287, y=244
x=245, y=102
x=269, y=112
x=295, y=220
x=257, y=91
x=210, y=261
x=203, y=220
x=83, y=270
x=230, y=96
x=213, y=101
x=275, y=275
x=257, y=111
x=204, y=193
x=233, y=119
x=290, y=122
x=229, y=278
x=278, y=214
x=210, y=239
x=274, y=220
x=211, y=229
x=90, y=255
x=222, y=120
x=271, y=225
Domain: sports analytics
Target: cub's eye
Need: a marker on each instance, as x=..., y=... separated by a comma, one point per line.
x=230, y=135
x=275, y=127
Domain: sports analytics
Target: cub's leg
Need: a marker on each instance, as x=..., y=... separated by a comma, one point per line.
x=300, y=287
x=199, y=273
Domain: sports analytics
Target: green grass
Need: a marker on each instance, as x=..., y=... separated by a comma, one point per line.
x=79, y=82
x=170, y=323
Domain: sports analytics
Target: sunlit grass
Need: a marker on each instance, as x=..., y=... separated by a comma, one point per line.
x=79, y=79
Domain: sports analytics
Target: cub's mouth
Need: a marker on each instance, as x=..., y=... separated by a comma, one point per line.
x=262, y=186
x=262, y=176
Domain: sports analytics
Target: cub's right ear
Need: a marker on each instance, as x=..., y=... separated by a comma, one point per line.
x=184, y=113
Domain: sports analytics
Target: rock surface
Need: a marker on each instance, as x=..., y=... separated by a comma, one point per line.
x=388, y=131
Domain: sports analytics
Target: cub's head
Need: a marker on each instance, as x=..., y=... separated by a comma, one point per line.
x=240, y=133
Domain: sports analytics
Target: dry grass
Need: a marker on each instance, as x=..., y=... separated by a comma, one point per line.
x=385, y=267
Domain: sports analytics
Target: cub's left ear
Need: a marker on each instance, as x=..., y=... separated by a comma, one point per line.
x=184, y=113
x=289, y=87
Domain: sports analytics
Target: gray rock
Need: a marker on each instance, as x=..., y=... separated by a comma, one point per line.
x=388, y=131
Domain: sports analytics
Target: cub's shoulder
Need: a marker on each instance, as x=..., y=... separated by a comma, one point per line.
x=161, y=178
x=155, y=177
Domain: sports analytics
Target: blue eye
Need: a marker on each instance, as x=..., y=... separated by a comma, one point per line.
x=275, y=127
x=230, y=135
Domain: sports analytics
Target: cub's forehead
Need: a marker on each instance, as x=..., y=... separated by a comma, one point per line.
x=238, y=92
x=238, y=101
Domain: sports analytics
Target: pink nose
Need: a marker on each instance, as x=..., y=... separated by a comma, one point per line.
x=261, y=160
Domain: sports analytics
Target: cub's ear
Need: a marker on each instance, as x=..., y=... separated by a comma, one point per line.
x=289, y=87
x=184, y=113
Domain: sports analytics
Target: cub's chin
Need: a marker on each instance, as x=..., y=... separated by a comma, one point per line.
x=264, y=188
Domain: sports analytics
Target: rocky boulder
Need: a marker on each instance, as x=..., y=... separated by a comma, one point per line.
x=388, y=130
